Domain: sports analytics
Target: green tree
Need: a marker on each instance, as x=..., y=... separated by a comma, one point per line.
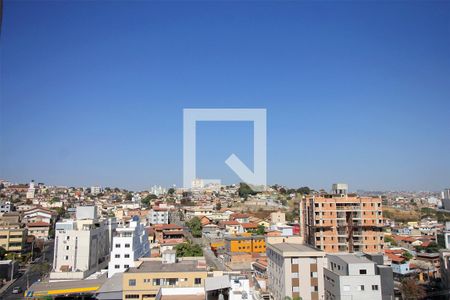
x=2, y=252
x=171, y=191
x=407, y=255
x=146, y=201
x=196, y=226
x=245, y=190
x=304, y=190
x=188, y=250
x=261, y=230
x=128, y=196
x=42, y=268
x=218, y=206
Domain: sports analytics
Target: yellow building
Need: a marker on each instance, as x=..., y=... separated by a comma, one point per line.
x=249, y=244
x=13, y=239
x=144, y=281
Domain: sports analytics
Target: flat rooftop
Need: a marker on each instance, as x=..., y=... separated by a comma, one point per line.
x=296, y=249
x=159, y=266
x=351, y=258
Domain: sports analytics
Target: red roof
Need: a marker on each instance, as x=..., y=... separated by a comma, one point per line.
x=395, y=258
x=38, y=224
x=249, y=225
x=229, y=223
x=167, y=226
x=238, y=216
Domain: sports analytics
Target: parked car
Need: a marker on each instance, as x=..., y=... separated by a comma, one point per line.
x=17, y=290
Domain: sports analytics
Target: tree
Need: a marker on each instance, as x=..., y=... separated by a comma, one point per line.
x=218, y=206
x=411, y=290
x=146, y=201
x=171, y=191
x=304, y=190
x=2, y=252
x=188, y=250
x=261, y=230
x=407, y=255
x=128, y=197
x=245, y=190
x=195, y=226
x=42, y=268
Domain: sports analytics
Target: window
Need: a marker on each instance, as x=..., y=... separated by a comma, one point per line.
x=157, y=281
x=346, y=288
x=132, y=282
x=67, y=247
x=171, y=281
x=314, y=288
x=314, y=274
x=363, y=271
x=126, y=266
x=66, y=258
x=360, y=287
x=131, y=296
x=117, y=256
x=127, y=255
x=198, y=281
x=127, y=245
x=117, y=245
x=374, y=287
x=116, y=266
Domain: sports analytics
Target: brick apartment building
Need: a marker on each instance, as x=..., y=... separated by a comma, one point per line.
x=341, y=222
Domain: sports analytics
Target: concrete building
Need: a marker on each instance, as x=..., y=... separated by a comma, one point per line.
x=446, y=199
x=129, y=244
x=295, y=270
x=31, y=190
x=351, y=277
x=95, y=190
x=6, y=207
x=343, y=223
x=158, y=216
x=81, y=246
x=145, y=280
x=278, y=218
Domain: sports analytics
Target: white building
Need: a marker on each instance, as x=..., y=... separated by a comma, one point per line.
x=6, y=206
x=158, y=216
x=157, y=190
x=96, y=190
x=351, y=277
x=130, y=244
x=81, y=246
x=31, y=190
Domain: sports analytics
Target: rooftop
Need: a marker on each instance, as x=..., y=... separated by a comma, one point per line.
x=159, y=266
x=351, y=258
x=296, y=249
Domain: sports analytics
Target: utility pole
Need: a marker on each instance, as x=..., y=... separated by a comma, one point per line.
x=32, y=249
x=12, y=267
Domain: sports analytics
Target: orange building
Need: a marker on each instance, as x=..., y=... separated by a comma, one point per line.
x=249, y=244
x=343, y=223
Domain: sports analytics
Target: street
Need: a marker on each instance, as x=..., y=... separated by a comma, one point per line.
x=30, y=276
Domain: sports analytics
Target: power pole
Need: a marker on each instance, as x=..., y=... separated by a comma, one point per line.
x=12, y=267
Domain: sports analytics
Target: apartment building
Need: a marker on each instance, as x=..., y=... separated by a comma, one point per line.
x=158, y=216
x=145, y=280
x=129, y=244
x=12, y=235
x=81, y=246
x=249, y=244
x=295, y=270
x=351, y=277
x=343, y=223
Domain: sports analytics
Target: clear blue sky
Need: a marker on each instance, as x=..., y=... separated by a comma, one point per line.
x=92, y=92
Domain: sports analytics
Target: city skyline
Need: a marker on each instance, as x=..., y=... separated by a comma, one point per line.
x=93, y=93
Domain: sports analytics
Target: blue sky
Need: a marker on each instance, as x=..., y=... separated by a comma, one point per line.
x=92, y=92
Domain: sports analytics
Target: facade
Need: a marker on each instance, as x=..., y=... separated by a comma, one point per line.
x=38, y=214
x=278, y=218
x=343, y=223
x=129, y=244
x=351, y=277
x=40, y=230
x=248, y=244
x=158, y=216
x=81, y=248
x=95, y=190
x=295, y=270
x=12, y=238
x=145, y=280
x=6, y=207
